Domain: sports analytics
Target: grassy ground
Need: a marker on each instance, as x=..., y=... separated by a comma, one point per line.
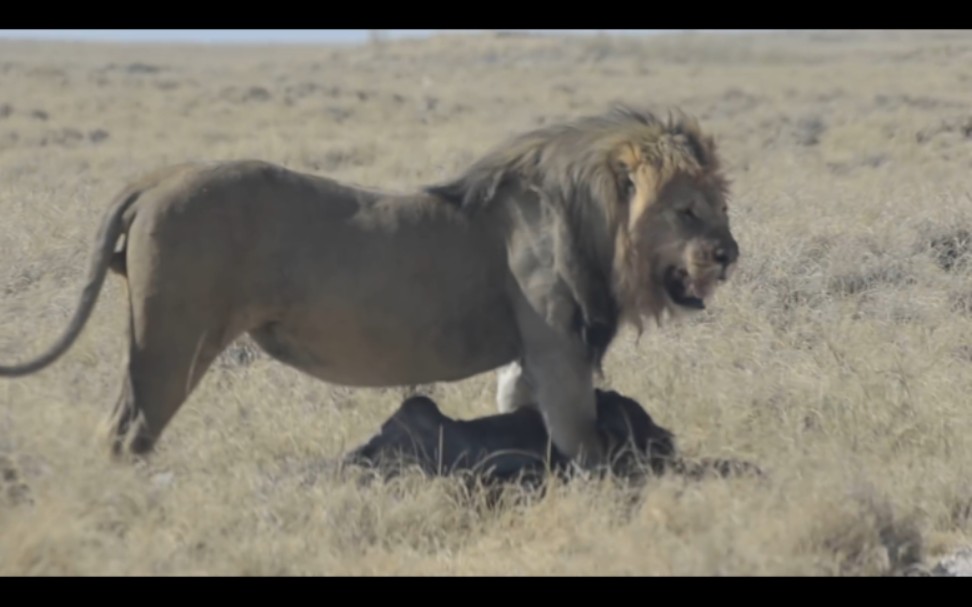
x=839, y=357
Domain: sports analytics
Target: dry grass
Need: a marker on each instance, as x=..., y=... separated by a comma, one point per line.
x=839, y=358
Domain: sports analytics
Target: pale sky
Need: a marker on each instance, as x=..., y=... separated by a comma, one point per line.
x=265, y=36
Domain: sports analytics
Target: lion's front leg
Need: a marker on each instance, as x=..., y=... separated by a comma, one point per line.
x=565, y=396
x=557, y=377
x=557, y=370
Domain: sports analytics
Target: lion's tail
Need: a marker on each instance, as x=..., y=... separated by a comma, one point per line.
x=104, y=256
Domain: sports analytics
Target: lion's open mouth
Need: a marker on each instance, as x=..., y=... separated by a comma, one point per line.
x=679, y=289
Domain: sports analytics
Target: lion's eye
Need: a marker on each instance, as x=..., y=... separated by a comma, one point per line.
x=688, y=213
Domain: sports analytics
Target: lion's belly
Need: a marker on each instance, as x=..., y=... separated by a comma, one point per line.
x=352, y=347
x=371, y=291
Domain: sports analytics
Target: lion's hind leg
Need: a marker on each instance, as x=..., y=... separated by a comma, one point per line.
x=167, y=358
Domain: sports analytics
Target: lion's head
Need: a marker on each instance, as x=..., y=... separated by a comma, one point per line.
x=645, y=199
x=673, y=241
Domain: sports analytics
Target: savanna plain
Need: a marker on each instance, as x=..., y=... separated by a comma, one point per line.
x=838, y=357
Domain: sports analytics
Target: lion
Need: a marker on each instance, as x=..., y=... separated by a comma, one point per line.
x=530, y=260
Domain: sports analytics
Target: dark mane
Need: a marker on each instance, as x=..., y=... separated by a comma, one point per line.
x=573, y=157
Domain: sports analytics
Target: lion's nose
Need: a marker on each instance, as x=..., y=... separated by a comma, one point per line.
x=725, y=255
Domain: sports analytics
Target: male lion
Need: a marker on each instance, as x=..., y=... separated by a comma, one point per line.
x=530, y=259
